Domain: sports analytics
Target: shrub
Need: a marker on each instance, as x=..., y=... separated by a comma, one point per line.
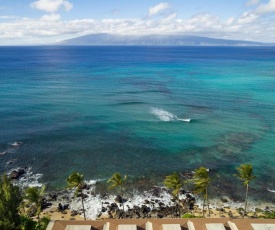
x=189, y=215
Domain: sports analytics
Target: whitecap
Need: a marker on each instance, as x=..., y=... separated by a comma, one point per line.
x=3, y=153
x=16, y=143
x=185, y=120
x=29, y=179
x=163, y=114
x=270, y=190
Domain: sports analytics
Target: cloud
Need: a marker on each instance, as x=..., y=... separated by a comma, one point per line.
x=252, y=2
x=8, y=17
x=157, y=8
x=247, y=17
x=52, y=5
x=50, y=17
x=170, y=17
x=266, y=8
x=50, y=27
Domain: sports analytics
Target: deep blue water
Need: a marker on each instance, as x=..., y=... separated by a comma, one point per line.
x=98, y=110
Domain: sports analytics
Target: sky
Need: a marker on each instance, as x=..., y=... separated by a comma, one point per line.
x=26, y=22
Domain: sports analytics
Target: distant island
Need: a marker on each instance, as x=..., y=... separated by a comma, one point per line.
x=104, y=39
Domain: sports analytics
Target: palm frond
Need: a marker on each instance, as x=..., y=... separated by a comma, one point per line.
x=75, y=180
x=116, y=180
x=245, y=173
x=174, y=183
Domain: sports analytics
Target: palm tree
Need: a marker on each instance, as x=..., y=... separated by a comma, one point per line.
x=10, y=199
x=201, y=183
x=116, y=180
x=175, y=183
x=34, y=196
x=245, y=173
x=75, y=180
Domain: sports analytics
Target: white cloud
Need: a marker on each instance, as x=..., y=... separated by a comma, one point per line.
x=266, y=7
x=170, y=17
x=8, y=17
x=52, y=5
x=50, y=17
x=157, y=8
x=247, y=17
x=51, y=27
x=230, y=21
x=252, y=2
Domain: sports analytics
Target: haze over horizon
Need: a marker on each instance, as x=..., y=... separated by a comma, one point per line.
x=48, y=21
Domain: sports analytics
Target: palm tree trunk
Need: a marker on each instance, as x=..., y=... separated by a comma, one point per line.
x=207, y=201
x=179, y=205
x=245, y=204
x=82, y=200
x=38, y=218
x=203, y=206
x=122, y=201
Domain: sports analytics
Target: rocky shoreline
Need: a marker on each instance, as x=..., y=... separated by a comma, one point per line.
x=157, y=206
x=155, y=203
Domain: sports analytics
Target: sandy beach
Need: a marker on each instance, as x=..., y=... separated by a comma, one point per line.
x=230, y=213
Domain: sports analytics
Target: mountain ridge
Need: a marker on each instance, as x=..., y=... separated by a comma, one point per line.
x=102, y=39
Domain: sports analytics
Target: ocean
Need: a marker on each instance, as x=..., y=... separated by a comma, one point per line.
x=101, y=110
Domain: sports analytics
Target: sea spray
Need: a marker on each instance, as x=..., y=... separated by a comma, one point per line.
x=28, y=179
x=164, y=115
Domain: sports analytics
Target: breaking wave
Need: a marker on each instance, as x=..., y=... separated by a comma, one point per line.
x=164, y=115
x=28, y=179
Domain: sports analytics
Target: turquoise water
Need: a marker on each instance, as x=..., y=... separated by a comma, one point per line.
x=98, y=110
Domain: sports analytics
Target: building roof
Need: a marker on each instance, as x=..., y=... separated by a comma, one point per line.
x=167, y=224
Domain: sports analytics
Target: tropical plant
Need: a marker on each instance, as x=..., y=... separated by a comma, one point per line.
x=245, y=173
x=43, y=223
x=29, y=224
x=175, y=183
x=189, y=215
x=116, y=180
x=34, y=197
x=269, y=215
x=201, y=183
x=10, y=199
x=76, y=180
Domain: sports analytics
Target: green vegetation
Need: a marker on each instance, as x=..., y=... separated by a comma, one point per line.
x=245, y=173
x=201, y=184
x=16, y=207
x=189, y=215
x=175, y=183
x=269, y=215
x=116, y=180
x=75, y=180
x=29, y=224
x=33, y=197
x=10, y=199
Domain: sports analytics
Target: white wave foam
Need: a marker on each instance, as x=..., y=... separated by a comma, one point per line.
x=29, y=179
x=3, y=153
x=185, y=120
x=16, y=143
x=94, y=203
x=164, y=115
x=270, y=190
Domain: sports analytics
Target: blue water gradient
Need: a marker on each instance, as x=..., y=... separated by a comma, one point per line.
x=98, y=110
